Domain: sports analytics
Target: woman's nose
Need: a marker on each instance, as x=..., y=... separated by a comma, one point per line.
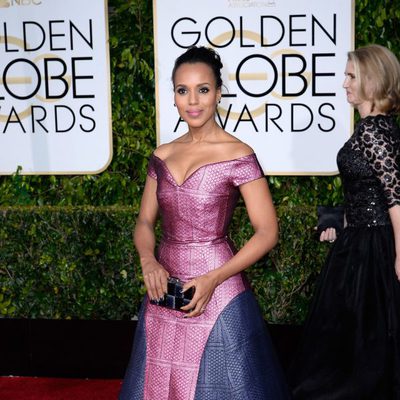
x=193, y=98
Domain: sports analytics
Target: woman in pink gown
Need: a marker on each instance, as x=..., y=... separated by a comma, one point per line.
x=216, y=347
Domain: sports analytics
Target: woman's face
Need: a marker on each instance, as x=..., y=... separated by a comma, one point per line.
x=196, y=95
x=352, y=86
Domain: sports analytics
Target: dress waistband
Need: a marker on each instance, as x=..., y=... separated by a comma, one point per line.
x=194, y=243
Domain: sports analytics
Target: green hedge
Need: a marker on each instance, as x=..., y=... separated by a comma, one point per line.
x=79, y=262
x=62, y=262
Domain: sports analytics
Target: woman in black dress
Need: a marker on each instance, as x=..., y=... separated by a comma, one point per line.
x=351, y=344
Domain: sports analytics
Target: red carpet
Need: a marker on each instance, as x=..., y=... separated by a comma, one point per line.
x=23, y=388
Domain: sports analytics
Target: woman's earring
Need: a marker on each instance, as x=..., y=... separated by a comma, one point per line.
x=174, y=105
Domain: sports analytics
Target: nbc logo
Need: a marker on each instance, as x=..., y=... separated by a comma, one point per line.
x=9, y=3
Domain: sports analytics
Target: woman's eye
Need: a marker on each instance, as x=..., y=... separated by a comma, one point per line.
x=204, y=90
x=181, y=91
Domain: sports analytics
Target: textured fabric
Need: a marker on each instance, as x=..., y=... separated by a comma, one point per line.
x=239, y=361
x=351, y=344
x=201, y=208
x=195, y=216
x=133, y=384
x=369, y=167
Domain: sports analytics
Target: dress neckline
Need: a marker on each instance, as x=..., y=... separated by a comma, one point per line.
x=380, y=115
x=199, y=168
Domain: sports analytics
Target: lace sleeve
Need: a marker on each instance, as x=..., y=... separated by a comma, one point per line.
x=379, y=142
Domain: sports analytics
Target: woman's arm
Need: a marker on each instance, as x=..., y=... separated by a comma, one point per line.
x=394, y=213
x=154, y=275
x=262, y=216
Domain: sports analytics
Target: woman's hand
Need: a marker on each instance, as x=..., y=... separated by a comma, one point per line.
x=397, y=267
x=394, y=213
x=204, y=288
x=328, y=235
x=155, y=278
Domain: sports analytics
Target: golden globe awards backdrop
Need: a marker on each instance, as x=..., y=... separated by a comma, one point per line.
x=284, y=64
x=55, y=113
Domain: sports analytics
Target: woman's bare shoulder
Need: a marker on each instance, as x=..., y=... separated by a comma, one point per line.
x=164, y=150
x=236, y=148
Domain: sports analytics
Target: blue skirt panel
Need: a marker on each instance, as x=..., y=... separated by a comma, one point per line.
x=239, y=361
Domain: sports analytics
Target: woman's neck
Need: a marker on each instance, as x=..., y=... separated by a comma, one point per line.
x=368, y=110
x=203, y=134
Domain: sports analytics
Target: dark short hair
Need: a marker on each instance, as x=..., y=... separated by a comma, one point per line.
x=204, y=55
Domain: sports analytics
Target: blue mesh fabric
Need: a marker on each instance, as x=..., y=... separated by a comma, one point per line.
x=133, y=385
x=239, y=361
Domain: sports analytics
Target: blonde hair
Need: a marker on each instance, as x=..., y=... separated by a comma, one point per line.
x=377, y=70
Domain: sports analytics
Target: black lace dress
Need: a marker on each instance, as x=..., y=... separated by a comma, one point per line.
x=351, y=344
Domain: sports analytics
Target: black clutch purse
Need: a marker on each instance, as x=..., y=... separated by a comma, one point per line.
x=330, y=217
x=175, y=298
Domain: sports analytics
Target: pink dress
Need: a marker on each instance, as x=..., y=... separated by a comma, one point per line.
x=176, y=358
